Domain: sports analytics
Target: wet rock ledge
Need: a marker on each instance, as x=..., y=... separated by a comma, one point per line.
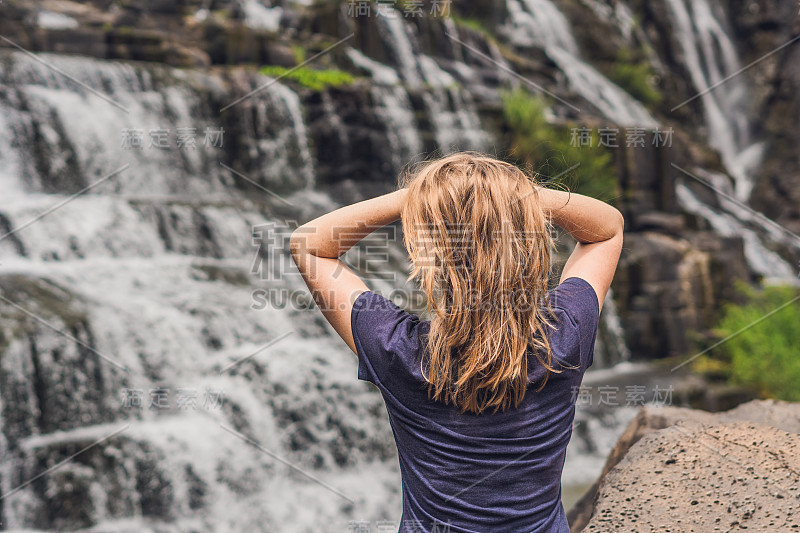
x=685, y=470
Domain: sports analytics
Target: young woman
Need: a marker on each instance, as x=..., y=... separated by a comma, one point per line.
x=480, y=397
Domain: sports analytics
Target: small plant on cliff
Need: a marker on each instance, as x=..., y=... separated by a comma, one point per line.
x=549, y=148
x=763, y=351
x=316, y=80
x=299, y=53
x=636, y=77
x=476, y=25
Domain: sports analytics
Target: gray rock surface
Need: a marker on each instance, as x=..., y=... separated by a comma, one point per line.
x=677, y=469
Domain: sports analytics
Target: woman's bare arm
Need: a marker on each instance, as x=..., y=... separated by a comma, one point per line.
x=597, y=227
x=317, y=245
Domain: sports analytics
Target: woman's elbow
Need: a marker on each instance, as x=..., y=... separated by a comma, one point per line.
x=298, y=243
x=620, y=221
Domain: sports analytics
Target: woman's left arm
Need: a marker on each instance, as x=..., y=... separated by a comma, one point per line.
x=317, y=245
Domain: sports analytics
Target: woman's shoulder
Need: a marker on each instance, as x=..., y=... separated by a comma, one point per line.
x=577, y=317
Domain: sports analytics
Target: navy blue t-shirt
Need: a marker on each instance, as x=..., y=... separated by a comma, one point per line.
x=476, y=473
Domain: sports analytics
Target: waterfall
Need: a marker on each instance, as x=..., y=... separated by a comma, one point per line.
x=540, y=23
x=261, y=17
x=730, y=223
x=393, y=107
x=146, y=279
x=449, y=108
x=610, y=348
x=144, y=282
x=711, y=59
x=51, y=111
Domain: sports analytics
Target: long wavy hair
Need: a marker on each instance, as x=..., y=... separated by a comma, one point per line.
x=480, y=245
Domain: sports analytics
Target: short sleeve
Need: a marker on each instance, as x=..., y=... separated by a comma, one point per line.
x=384, y=334
x=578, y=300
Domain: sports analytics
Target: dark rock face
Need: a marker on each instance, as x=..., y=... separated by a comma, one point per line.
x=663, y=281
x=768, y=35
x=692, y=470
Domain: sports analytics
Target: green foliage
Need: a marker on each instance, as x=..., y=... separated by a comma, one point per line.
x=316, y=80
x=549, y=149
x=224, y=13
x=636, y=78
x=475, y=25
x=765, y=353
x=299, y=53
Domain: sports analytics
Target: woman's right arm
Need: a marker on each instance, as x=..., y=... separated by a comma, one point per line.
x=597, y=227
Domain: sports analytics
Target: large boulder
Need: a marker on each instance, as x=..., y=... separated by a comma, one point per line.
x=677, y=469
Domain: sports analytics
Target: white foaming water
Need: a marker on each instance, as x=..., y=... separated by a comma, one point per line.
x=399, y=37
x=143, y=258
x=593, y=437
x=51, y=20
x=392, y=105
x=450, y=109
x=12, y=164
x=710, y=57
x=540, y=23
x=58, y=108
x=759, y=258
x=610, y=348
x=260, y=17
x=612, y=101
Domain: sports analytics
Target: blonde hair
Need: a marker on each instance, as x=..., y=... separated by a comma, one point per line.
x=479, y=244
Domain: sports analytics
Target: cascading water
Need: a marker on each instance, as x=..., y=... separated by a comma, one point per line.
x=731, y=220
x=143, y=283
x=393, y=107
x=456, y=123
x=540, y=23
x=711, y=59
x=258, y=16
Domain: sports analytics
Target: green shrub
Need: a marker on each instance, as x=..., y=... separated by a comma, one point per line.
x=474, y=24
x=299, y=53
x=635, y=77
x=316, y=80
x=549, y=149
x=764, y=350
